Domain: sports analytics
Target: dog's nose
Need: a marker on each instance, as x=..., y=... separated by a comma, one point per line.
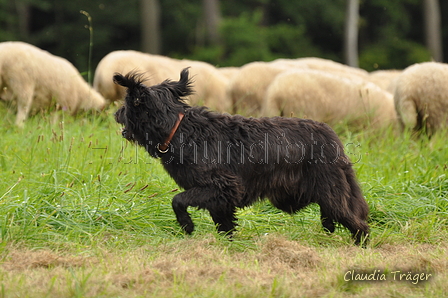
x=123, y=133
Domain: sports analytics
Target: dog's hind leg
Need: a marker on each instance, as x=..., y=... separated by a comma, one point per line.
x=327, y=221
x=223, y=214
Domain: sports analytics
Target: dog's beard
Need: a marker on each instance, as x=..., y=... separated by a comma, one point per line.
x=127, y=134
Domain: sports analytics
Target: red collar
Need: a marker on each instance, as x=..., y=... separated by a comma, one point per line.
x=163, y=148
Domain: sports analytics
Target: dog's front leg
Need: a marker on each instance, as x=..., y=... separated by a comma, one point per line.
x=180, y=204
x=217, y=203
x=195, y=197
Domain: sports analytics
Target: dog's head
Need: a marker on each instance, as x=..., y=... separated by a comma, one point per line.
x=151, y=110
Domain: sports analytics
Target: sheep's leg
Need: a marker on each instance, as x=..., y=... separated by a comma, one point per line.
x=24, y=102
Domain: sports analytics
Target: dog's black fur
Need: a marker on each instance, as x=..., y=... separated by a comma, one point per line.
x=224, y=162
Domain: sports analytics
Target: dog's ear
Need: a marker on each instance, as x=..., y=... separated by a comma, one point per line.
x=133, y=81
x=130, y=80
x=183, y=87
x=119, y=79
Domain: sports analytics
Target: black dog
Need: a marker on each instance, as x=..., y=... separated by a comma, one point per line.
x=224, y=162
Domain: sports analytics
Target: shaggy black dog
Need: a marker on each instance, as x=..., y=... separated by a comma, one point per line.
x=224, y=162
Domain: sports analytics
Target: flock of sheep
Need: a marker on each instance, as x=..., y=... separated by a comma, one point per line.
x=320, y=89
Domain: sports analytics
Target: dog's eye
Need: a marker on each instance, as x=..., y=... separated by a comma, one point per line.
x=137, y=101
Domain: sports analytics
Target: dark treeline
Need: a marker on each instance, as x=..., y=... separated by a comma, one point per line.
x=391, y=33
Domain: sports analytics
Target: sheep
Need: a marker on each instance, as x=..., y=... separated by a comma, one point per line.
x=386, y=79
x=157, y=67
x=210, y=85
x=32, y=78
x=229, y=71
x=247, y=88
x=329, y=98
x=421, y=97
x=324, y=65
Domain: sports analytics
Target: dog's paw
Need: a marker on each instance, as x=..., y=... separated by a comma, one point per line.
x=188, y=228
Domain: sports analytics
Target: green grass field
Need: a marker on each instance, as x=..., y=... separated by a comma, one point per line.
x=86, y=214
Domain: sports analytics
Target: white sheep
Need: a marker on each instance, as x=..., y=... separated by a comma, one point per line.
x=247, y=88
x=156, y=69
x=229, y=71
x=421, y=97
x=209, y=84
x=33, y=78
x=386, y=79
x=324, y=65
x=329, y=98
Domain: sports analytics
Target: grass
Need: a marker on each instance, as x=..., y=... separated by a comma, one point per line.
x=86, y=214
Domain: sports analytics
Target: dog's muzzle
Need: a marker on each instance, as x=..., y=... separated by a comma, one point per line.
x=123, y=133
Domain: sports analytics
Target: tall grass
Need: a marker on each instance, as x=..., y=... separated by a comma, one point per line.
x=73, y=184
x=71, y=179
